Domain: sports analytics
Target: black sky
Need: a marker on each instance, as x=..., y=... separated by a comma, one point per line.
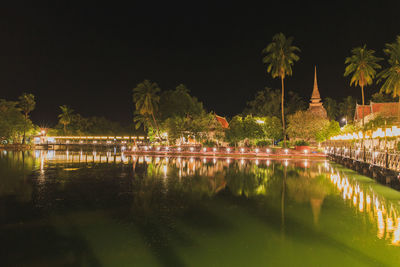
x=90, y=56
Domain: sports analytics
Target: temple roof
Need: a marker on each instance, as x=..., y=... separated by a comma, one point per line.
x=315, y=94
x=388, y=109
x=224, y=123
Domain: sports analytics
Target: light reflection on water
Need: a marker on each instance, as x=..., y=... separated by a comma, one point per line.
x=364, y=200
x=377, y=208
x=287, y=189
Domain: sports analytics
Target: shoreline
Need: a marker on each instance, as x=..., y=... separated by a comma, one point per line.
x=227, y=155
x=17, y=147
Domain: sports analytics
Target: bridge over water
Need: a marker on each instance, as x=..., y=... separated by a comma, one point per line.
x=64, y=141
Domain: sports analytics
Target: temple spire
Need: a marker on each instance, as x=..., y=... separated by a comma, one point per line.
x=316, y=106
x=315, y=94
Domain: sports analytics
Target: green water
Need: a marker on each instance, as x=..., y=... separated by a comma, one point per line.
x=104, y=209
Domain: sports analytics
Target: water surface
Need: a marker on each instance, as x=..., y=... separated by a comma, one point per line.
x=81, y=208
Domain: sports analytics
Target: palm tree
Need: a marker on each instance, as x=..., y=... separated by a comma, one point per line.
x=391, y=75
x=65, y=116
x=141, y=120
x=146, y=99
x=362, y=64
x=280, y=57
x=27, y=104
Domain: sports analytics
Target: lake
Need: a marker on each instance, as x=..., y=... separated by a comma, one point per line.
x=100, y=208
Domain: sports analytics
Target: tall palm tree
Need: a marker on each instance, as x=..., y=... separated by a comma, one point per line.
x=141, y=120
x=391, y=75
x=65, y=116
x=146, y=99
x=362, y=65
x=27, y=104
x=280, y=56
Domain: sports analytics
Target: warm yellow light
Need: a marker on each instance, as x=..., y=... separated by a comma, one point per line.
x=396, y=234
x=389, y=132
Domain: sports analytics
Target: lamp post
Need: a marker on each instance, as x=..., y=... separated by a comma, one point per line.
x=344, y=120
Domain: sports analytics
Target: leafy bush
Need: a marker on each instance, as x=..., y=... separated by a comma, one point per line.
x=301, y=143
x=263, y=143
x=209, y=143
x=232, y=144
x=281, y=144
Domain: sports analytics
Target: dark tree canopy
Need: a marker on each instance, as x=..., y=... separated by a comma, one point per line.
x=331, y=107
x=267, y=102
x=179, y=102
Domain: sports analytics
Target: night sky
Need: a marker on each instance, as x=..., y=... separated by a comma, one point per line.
x=90, y=56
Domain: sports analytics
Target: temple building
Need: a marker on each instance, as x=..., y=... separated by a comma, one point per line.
x=373, y=110
x=315, y=103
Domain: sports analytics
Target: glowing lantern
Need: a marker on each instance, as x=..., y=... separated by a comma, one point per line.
x=395, y=131
x=389, y=132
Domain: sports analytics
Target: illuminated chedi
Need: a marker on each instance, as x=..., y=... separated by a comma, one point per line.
x=316, y=106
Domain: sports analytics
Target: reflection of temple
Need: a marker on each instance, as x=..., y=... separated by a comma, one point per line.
x=315, y=103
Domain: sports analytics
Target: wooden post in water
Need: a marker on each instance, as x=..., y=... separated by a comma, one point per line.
x=387, y=159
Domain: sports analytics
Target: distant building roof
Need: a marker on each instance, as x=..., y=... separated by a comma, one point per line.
x=389, y=109
x=362, y=111
x=224, y=123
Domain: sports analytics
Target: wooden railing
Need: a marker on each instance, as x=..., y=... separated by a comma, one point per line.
x=384, y=159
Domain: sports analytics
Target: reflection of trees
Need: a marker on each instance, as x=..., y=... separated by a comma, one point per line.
x=162, y=200
x=14, y=168
x=250, y=181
